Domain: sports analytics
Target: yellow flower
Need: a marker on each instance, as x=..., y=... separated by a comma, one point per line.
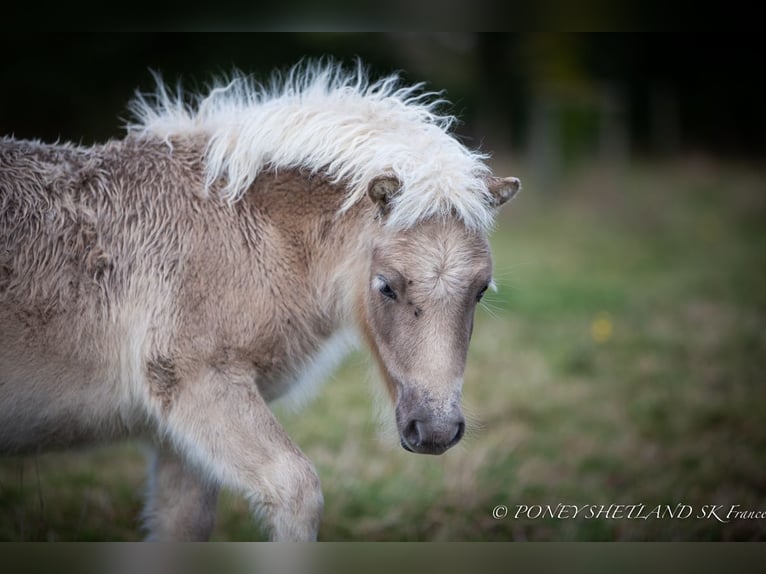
x=601, y=328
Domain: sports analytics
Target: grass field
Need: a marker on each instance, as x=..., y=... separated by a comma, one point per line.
x=621, y=361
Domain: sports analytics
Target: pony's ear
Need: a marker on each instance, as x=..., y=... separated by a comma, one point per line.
x=383, y=188
x=502, y=189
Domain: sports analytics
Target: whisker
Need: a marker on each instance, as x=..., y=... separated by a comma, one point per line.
x=490, y=309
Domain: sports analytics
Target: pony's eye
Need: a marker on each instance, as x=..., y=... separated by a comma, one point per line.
x=385, y=288
x=387, y=291
x=481, y=293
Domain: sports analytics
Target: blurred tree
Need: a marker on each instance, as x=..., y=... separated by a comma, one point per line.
x=559, y=95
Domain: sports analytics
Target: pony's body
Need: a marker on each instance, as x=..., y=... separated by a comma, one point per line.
x=121, y=284
x=171, y=284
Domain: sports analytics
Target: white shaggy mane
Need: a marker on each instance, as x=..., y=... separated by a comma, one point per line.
x=321, y=117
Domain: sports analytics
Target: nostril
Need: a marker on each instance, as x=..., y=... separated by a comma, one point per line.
x=459, y=431
x=412, y=432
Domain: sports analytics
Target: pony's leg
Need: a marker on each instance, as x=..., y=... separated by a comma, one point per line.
x=221, y=422
x=180, y=504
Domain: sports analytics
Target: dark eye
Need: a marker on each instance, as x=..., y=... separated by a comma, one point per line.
x=385, y=288
x=481, y=293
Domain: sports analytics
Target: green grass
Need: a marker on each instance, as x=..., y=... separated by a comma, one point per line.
x=621, y=361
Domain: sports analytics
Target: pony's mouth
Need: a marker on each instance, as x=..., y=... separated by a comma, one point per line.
x=432, y=447
x=422, y=432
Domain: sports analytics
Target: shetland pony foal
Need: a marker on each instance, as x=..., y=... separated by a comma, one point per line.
x=171, y=284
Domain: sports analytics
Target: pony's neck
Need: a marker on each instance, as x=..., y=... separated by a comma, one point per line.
x=341, y=270
x=324, y=245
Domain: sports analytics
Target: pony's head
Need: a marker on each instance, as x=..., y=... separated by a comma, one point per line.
x=423, y=285
x=390, y=147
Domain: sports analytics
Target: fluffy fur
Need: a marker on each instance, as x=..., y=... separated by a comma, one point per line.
x=136, y=301
x=319, y=117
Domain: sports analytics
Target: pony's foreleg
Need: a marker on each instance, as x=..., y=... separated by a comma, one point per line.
x=220, y=422
x=180, y=504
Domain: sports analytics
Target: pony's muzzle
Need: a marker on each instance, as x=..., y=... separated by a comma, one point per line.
x=431, y=437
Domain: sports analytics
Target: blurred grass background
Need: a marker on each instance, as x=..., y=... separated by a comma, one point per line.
x=622, y=358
